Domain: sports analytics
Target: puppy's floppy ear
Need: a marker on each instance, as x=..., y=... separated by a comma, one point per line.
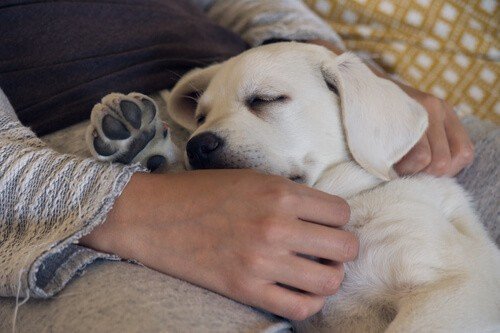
x=183, y=100
x=381, y=122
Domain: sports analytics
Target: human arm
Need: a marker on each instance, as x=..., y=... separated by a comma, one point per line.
x=260, y=22
x=71, y=195
x=47, y=201
x=235, y=232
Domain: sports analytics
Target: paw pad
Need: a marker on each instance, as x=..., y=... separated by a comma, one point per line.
x=132, y=113
x=114, y=129
x=102, y=148
x=124, y=127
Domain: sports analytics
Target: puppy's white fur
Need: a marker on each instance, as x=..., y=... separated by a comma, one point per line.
x=425, y=263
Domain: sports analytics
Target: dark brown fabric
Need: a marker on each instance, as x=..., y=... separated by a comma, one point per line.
x=59, y=58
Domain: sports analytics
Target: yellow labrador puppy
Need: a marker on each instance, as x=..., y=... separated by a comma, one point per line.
x=425, y=263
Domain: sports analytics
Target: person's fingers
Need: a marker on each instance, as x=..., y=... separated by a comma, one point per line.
x=417, y=159
x=306, y=275
x=461, y=147
x=320, y=207
x=440, y=149
x=320, y=241
x=287, y=303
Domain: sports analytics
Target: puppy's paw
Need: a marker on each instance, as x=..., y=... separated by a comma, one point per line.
x=127, y=129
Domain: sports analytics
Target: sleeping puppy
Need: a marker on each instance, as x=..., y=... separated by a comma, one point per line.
x=425, y=263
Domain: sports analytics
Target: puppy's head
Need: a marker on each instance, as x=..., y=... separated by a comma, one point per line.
x=294, y=109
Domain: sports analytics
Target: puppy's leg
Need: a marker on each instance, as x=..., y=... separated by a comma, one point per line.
x=451, y=305
x=346, y=312
x=127, y=129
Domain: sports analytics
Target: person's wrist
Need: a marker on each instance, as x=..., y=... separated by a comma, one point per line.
x=114, y=234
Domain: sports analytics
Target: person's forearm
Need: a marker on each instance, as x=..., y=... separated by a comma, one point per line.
x=202, y=227
x=47, y=201
x=134, y=205
x=258, y=22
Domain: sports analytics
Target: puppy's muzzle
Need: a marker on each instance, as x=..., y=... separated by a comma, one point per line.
x=202, y=150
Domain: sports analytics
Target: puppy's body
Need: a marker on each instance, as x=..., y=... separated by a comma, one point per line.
x=425, y=263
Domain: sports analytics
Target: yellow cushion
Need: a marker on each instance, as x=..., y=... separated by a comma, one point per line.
x=448, y=48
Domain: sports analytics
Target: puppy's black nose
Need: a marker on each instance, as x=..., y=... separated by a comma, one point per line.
x=201, y=148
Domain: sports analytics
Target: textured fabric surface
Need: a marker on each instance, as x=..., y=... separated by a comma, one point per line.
x=58, y=58
x=449, y=48
x=116, y=297
x=259, y=21
x=482, y=178
x=47, y=201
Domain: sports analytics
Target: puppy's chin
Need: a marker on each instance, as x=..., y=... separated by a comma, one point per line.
x=299, y=179
x=230, y=162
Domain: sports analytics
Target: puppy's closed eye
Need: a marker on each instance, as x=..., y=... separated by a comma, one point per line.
x=200, y=119
x=257, y=102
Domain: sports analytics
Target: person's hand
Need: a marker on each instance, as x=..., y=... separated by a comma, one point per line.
x=445, y=149
x=236, y=232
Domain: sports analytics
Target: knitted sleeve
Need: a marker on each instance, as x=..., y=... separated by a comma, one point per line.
x=258, y=22
x=47, y=202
